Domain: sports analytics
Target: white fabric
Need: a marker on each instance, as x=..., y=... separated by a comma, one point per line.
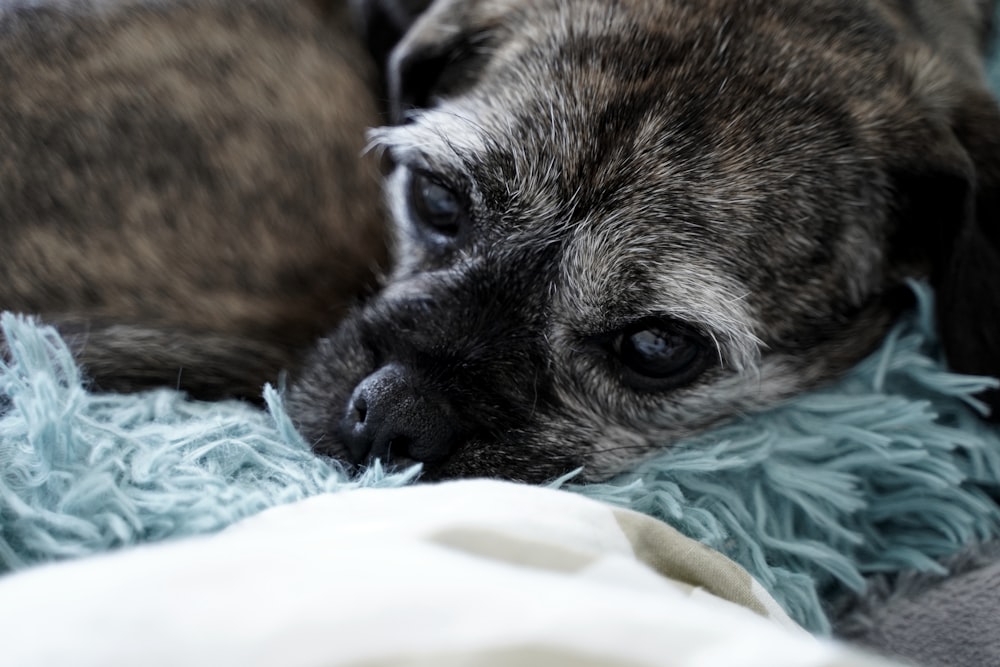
x=374, y=577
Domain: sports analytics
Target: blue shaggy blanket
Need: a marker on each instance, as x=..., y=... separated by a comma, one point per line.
x=886, y=471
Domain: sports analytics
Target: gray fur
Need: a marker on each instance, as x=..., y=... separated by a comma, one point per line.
x=765, y=172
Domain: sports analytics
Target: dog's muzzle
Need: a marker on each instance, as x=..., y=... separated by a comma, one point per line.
x=389, y=416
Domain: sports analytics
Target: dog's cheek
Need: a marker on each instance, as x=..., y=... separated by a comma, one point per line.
x=322, y=386
x=607, y=428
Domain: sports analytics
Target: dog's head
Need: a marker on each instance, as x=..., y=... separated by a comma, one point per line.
x=620, y=222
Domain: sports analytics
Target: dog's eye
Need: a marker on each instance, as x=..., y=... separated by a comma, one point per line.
x=435, y=205
x=660, y=355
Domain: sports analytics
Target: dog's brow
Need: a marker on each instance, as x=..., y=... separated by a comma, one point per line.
x=438, y=140
x=598, y=263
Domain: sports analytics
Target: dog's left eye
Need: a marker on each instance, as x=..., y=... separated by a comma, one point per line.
x=435, y=205
x=660, y=355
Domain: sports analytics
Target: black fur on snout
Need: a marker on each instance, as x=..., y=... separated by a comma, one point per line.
x=446, y=371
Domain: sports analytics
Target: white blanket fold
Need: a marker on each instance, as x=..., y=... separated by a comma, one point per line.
x=463, y=573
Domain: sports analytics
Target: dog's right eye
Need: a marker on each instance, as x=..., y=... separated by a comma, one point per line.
x=435, y=205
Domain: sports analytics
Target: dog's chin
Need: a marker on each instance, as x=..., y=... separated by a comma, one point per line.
x=475, y=458
x=496, y=459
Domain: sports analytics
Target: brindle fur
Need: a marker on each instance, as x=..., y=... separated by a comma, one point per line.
x=770, y=172
x=181, y=183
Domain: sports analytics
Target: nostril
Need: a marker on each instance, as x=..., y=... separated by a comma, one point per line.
x=360, y=408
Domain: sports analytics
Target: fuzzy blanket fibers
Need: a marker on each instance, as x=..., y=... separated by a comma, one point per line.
x=887, y=471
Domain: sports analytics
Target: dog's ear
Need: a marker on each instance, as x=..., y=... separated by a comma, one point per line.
x=426, y=47
x=968, y=278
x=949, y=196
x=383, y=23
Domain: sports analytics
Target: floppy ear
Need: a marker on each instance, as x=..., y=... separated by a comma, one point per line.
x=427, y=48
x=948, y=205
x=967, y=274
x=384, y=22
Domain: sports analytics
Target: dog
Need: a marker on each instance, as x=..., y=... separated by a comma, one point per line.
x=618, y=222
x=183, y=186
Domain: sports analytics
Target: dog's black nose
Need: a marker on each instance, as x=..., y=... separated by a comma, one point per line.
x=389, y=417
